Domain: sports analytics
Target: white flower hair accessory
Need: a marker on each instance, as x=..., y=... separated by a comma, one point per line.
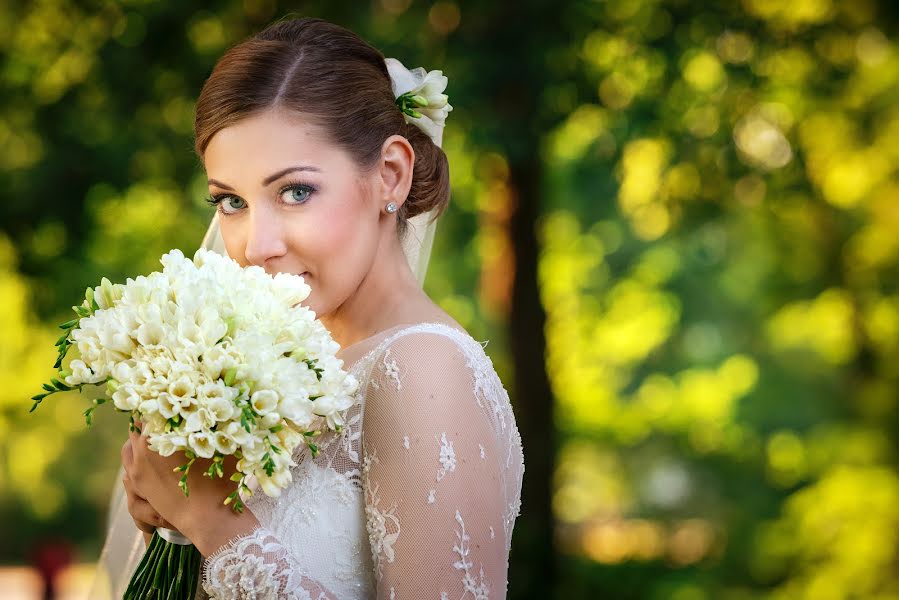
x=419, y=94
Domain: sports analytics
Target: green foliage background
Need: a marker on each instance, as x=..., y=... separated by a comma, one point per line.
x=718, y=261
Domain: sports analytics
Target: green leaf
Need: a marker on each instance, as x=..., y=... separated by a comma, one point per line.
x=60, y=385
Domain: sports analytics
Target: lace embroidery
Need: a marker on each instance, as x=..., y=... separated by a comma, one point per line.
x=477, y=588
x=256, y=566
x=483, y=454
x=432, y=496
x=383, y=526
x=392, y=370
x=406, y=442
x=351, y=435
x=447, y=457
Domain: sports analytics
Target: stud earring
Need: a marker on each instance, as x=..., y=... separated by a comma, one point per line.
x=391, y=207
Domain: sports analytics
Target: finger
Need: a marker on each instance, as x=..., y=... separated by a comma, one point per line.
x=130, y=488
x=144, y=516
x=138, y=442
x=127, y=455
x=139, y=507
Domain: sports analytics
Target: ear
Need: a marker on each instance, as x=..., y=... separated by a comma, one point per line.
x=395, y=169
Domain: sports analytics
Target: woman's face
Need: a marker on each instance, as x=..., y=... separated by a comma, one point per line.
x=291, y=202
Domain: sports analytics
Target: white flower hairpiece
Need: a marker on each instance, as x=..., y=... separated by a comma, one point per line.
x=419, y=94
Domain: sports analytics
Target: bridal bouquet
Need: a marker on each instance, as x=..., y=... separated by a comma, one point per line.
x=215, y=360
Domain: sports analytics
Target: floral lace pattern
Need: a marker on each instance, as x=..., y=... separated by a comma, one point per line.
x=382, y=525
x=372, y=515
x=256, y=566
x=478, y=588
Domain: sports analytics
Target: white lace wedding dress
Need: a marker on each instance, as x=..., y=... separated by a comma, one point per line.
x=415, y=498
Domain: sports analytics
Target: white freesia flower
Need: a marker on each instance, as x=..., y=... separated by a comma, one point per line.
x=428, y=84
x=202, y=443
x=167, y=444
x=264, y=401
x=126, y=398
x=216, y=360
x=253, y=451
x=296, y=408
x=236, y=432
x=273, y=485
x=168, y=408
x=80, y=373
x=151, y=334
x=148, y=407
x=182, y=390
x=200, y=419
x=224, y=444
x=222, y=408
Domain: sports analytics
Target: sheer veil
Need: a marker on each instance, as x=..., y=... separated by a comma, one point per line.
x=124, y=547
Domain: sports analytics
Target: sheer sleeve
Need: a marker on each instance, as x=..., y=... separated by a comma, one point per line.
x=440, y=495
x=258, y=566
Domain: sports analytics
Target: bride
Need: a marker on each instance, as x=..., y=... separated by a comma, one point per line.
x=320, y=164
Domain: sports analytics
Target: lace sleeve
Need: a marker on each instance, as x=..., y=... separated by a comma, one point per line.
x=257, y=566
x=440, y=470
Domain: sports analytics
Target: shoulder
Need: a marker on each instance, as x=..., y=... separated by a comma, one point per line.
x=429, y=366
x=423, y=348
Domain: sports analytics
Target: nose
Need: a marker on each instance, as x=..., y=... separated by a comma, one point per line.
x=265, y=238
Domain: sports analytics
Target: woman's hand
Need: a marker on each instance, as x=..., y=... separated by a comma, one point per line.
x=145, y=516
x=202, y=517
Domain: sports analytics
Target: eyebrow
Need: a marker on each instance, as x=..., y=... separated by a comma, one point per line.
x=271, y=178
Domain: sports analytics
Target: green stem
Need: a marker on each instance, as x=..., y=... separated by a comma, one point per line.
x=167, y=570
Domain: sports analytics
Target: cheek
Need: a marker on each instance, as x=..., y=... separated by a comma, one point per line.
x=322, y=243
x=340, y=245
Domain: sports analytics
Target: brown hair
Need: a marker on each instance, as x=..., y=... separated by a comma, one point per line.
x=335, y=79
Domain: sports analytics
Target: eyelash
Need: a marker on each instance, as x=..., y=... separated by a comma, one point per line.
x=216, y=199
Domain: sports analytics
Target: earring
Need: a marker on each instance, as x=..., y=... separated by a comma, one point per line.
x=391, y=207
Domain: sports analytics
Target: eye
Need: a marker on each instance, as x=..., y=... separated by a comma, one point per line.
x=296, y=193
x=227, y=204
